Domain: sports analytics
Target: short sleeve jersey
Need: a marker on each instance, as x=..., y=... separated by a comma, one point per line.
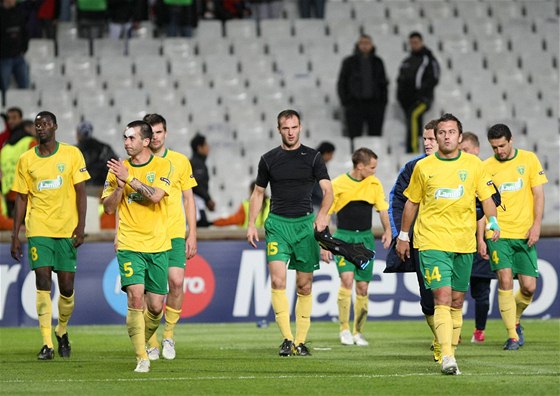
x=49, y=183
x=292, y=175
x=515, y=178
x=143, y=224
x=446, y=190
x=182, y=179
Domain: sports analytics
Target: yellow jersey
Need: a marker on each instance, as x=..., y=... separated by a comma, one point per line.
x=515, y=179
x=143, y=224
x=49, y=183
x=347, y=189
x=446, y=190
x=182, y=179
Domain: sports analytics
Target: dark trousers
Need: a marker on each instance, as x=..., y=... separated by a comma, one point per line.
x=414, y=124
x=366, y=112
x=426, y=295
x=480, y=292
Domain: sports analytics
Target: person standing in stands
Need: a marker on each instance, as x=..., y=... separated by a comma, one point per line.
x=327, y=150
x=14, y=41
x=362, y=89
x=241, y=217
x=417, y=79
x=200, y=150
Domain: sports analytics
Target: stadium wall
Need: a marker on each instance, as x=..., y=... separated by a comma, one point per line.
x=228, y=282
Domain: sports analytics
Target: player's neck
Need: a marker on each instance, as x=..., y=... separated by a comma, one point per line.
x=291, y=148
x=160, y=152
x=452, y=155
x=355, y=174
x=47, y=148
x=141, y=158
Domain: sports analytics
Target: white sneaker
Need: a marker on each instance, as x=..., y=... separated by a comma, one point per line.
x=168, y=349
x=346, y=338
x=143, y=366
x=360, y=340
x=153, y=353
x=449, y=366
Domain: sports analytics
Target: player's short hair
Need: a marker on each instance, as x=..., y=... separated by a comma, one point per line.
x=326, y=147
x=415, y=34
x=145, y=128
x=287, y=114
x=498, y=131
x=15, y=110
x=449, y=117
x=47, y=114
x=471, y=136
x=363, y=155
x=431, y=125
x=154, y=119
x=197, y=141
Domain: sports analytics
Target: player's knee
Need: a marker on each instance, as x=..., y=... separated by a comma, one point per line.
x=175, y=286
x=304, y=290
x=528, y=290
x=66, y=291
x=278, y=283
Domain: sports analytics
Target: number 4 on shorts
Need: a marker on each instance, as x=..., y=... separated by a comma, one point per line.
x=435, y=275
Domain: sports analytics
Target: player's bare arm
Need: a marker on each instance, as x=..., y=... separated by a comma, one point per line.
x=403, y=241
x=255, y=206
x=534, y=232
x=322, y=219
x=480, y=242
x=387, y=234
x=81, y=203
x=154, y=194
x=19, y=215
x=489, y=208
x=190, y=212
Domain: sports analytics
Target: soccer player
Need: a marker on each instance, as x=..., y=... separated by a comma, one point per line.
x=137, y=187
x=520, y=179
x=442, y=191
x=481, y=273
x=292, y=170
x=355, y=195
x=180, y=205
x=397, y=200
x=50, y=186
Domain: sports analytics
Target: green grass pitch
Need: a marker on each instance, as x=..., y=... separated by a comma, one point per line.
x=233, y=359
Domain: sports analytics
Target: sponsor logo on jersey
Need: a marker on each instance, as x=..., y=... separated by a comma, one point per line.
x=511, y=186
x=60, y=167
x=463, y=174
x=52, y=184
x=135, y=197
x=151, y=176
x=449, y=193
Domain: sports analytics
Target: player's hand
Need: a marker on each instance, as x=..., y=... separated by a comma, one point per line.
x=326, y=256
x=483, y=250
x=386, y=238
x=191, y=247
x=321, y=222
x=118, y=169
x=533, y=235
x=15, y=249
x=78, y=237
x=116, y=242
x=252, y=236
x=403, y=249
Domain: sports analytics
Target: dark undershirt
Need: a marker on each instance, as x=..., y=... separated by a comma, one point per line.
x=356, y=216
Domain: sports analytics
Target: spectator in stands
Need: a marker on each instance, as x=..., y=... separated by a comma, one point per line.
x=96, y=155
x=327, y=150
x=178, y=18
x=229, y=9
x=241, y=217
x=13, y=45
x=200, y=150
x=124, y=16
x=12, y=119
x=362, y=89
x=92, y=18
x=417, y=79
x=312, y=8
x=481, y=273
x=6, y=222
x=266, y=9
x=21, y=140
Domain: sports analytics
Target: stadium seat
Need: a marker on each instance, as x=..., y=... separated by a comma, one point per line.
x=275, y=28
x=338, y=11
x=40, y=49
x=241, y=29
x=310, y=29
x=209, y=29
x=438, y=11
x=22, y=98
x=469, y=10
x=109, y=47
x=375, y=143
x=178, y=47
x=144, y=47
x=211, y=47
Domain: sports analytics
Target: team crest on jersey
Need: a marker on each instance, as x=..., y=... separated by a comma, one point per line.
x=60, y=167
x=463, y=175
x=151, y=176
x=521, y=169
x=449, y=193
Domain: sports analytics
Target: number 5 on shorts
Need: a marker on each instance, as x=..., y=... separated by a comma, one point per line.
x=435, y=275
x=128, y=271
x=271, y=248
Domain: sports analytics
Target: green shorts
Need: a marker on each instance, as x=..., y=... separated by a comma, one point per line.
x=58, y=253
x=292, y=241
x=177, y=255
x=148, y=269
x=365, y=237
x=446, y=269
x=514, y=254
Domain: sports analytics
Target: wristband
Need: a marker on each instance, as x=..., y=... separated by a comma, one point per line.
x=493, y=224
x=403, y=236
x=129, y=179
